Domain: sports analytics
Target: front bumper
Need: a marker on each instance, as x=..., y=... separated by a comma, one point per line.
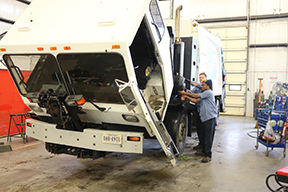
x=94, y=139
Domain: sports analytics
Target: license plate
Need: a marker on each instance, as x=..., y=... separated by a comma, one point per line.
x=112, y=138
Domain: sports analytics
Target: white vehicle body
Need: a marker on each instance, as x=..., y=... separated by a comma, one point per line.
x=209, y=58
x=60, y=52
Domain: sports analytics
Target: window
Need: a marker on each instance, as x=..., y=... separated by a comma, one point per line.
x=235, y=87
x=35, y=73
x=89, y=74
x=94, y=74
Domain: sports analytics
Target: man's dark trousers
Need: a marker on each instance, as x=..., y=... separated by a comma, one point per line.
x=199, y=128
x=208, y=128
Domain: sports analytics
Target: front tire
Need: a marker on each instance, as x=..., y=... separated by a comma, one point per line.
x=177, y=126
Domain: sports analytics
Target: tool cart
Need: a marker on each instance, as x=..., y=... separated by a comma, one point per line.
x=276, y=120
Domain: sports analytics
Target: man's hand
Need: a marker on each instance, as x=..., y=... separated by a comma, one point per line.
x=185, y=96
x=190, y=99
x=194, y=84
x=182, y=92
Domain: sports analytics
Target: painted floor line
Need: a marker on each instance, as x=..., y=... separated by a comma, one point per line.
x=27, y=145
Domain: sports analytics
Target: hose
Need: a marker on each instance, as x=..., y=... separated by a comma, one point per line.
x=275, y=176
x=249, y=134
x=267, y=184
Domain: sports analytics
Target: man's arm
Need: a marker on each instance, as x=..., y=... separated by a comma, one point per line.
x=191, y=99
x=194, y=95
x=193, y=83
x=198, y=85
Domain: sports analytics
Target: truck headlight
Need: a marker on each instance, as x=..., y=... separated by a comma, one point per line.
x=130, y=118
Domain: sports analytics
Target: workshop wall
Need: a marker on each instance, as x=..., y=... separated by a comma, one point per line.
x=208, y=9
x=269, y=62
x=10, y=10
x=10, y=100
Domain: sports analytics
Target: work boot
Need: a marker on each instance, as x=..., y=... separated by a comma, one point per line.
x=199, y=153
x=198, y=147
x=206, y=159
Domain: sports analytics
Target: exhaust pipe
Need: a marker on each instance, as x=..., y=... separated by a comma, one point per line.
x=177, y=24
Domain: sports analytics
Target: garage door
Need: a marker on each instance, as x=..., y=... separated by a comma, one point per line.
x=234, y=44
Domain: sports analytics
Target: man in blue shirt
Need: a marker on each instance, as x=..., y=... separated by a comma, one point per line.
x=208, y=114
x=198, y=89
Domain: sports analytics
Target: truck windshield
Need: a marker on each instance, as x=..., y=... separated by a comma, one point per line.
x=35, y=73
x=91, y=74
x=94, y=74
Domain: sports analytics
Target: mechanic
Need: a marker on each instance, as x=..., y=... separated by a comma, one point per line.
x=198, y=89
x=208, y=114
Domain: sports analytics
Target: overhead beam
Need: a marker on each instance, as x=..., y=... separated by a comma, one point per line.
x=24, y=1
x=268, y=45
x=6, y=20
x=243, y=18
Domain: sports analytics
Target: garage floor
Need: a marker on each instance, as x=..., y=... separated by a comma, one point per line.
x=236, y=166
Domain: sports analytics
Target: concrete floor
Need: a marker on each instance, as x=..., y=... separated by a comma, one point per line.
x=236, y=166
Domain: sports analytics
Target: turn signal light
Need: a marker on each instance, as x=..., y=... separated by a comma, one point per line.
x=40, y=48
x=130, y=138
x=2, y=49
x=67, y=48
x=53, y=48
x=115, y=46
x=81, y=101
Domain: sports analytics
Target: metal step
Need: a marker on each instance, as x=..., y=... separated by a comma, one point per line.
x=163, y=136
x=157, y=126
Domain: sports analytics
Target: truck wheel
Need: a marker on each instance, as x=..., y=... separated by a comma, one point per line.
x=177, y=126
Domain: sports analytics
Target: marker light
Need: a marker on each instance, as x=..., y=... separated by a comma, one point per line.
x=81, y=101
x=130, y=138
x=53, y=48
x=30, y=100
x=29, y=124
x=115, y=46
x=40, y=48
x=2, y=49
x=67, y=48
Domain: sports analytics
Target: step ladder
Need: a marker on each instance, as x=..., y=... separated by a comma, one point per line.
x=19, y=121
x=163, y=137
x=157, y=126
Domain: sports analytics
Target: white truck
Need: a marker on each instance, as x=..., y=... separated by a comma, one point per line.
x=100, y=78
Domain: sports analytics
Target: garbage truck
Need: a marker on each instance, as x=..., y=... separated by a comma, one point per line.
x=101, y=78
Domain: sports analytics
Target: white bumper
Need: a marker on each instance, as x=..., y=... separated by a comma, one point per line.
x=94, y=139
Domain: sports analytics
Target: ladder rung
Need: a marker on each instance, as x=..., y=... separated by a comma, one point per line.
x=20, y=124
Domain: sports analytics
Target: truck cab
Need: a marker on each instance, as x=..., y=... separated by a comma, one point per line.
x=97, y=78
